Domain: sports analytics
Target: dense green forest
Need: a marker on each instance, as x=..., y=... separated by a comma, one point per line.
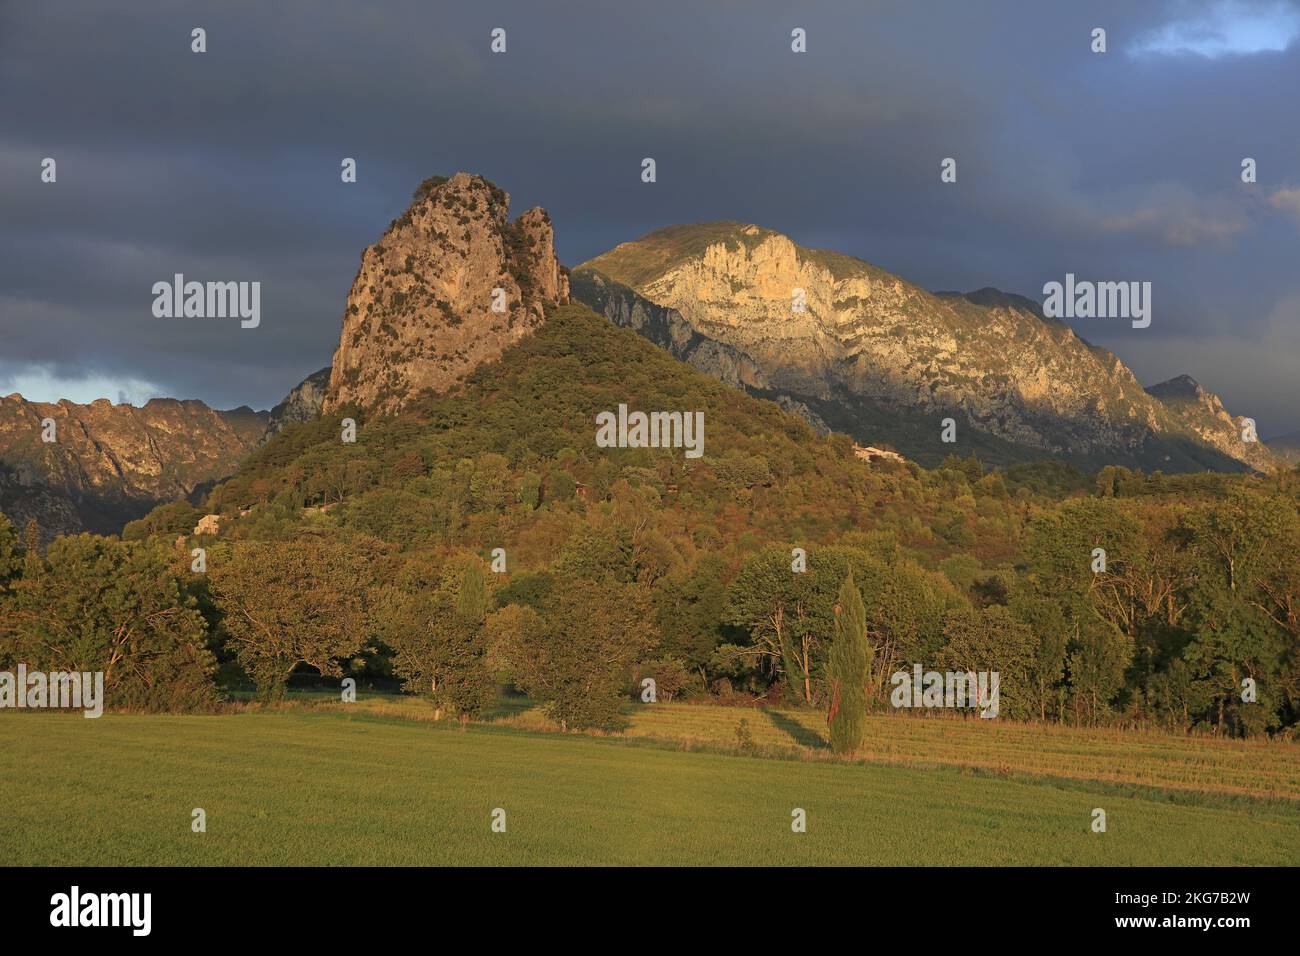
x=482, y=540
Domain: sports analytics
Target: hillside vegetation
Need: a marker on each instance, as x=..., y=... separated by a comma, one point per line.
x=383, y=559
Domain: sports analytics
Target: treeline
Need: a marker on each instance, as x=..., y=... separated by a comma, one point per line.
x=1145, y=611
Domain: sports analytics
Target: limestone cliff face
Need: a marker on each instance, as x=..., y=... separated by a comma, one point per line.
x=111, y=463
x=667, y=328
x=1203, y=414
x=421, y=315
x=886, y=360
x=302, y=404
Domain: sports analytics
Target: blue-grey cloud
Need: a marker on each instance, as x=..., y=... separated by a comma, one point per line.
x=1224, y=28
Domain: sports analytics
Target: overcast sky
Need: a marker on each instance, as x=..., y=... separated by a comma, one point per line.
x=225, y=165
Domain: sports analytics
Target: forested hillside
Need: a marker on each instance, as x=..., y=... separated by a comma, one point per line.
x=380, y=557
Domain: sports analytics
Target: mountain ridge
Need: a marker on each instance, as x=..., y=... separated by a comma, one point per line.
x=871, y=355
x=111, y=463
x=884, y=359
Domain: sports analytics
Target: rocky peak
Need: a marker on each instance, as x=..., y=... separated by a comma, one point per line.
x=991, y=298
x=301, y=404
x=884, y=359
x=1180, y=386
x=424, y=311
x=1202, y=413
x=1184, y=395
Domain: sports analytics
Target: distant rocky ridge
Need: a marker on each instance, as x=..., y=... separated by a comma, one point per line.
x=112, y=463
x=421, y=313
x=1203, y=414
x=302, y=404
x=884, y=360
x=869, y=354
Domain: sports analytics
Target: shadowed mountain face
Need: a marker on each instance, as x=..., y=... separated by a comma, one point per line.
x=302, y=404
x=109, y=464
x=1203, y=414
x=887, y=361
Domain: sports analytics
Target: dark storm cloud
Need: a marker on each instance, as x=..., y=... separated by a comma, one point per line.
x=226, y=165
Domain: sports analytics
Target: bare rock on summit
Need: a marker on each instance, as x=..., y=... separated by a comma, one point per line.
x=420, y=313
x=873, y=355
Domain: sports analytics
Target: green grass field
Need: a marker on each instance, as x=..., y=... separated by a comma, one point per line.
x=1257, y=768
x=328, y=785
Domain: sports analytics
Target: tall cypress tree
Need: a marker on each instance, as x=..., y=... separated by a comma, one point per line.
x=472, y=596
x=849, y=668
x=32, y=563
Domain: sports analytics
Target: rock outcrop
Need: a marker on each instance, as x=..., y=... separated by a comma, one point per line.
x=448, y=287
x=885, y=360
x=302, y=404
x=1203, y=414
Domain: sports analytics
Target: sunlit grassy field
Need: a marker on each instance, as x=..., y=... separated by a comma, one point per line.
x=1149, y=759
x=329, y=784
